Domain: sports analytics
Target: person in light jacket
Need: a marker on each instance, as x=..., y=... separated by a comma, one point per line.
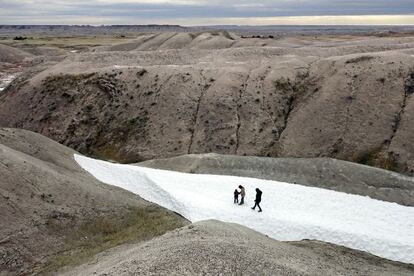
x=242, y=194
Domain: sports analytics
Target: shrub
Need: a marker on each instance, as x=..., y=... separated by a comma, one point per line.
x=19, y=38
x=88, y=108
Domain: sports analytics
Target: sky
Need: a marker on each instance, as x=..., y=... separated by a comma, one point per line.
x=207, y=12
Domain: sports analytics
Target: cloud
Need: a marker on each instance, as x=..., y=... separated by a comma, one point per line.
x=171, y=11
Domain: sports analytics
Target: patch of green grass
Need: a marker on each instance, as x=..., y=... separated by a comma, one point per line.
x=102, y=233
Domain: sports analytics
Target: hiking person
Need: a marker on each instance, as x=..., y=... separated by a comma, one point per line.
x=242, y=194
x=236, y=196
x=258, y=199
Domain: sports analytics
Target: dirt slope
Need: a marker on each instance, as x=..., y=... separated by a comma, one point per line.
x=217, y=248
x=217, y=39
x=325, y=173
x=176, y=40
x=12, y=55
x=296, y=97
x=49, y=205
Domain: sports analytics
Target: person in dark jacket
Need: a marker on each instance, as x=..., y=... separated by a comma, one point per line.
x=236, y=196
x=242, y=194
x=258, y=199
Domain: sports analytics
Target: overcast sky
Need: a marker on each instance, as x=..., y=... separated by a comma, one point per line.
x=207, y=12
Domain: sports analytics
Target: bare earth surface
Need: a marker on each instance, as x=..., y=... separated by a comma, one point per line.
x=45, y=197
x=173, y=93
x=217, y=248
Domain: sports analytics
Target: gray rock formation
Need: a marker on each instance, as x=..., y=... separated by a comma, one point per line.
x=45, y=196
x=170, y=94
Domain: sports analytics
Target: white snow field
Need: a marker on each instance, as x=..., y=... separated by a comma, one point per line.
x=290, y=212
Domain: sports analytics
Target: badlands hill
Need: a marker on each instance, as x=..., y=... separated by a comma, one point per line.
x=217, y=248
x=169, y=94
x=52, y=213
x=13, y=55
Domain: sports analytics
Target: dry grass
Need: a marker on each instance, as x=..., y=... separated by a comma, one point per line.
x=102, y=233
x=376, y=158
x=68, y=42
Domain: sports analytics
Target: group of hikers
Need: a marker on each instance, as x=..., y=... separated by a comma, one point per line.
x=242, y=193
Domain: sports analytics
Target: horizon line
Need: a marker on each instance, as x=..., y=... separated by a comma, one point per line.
x=302, y=20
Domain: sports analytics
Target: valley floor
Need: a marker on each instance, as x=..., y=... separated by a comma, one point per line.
x=290, y=212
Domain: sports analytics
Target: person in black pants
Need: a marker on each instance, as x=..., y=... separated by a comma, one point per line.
x=236, y=196
x=258, y=199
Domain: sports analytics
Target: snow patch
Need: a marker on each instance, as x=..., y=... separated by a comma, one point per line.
x=235, y=62
x=5, y=80
x=290, y=212
x=119, y=66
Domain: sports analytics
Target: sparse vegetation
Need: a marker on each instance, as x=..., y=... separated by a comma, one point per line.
x=106, y=151
x=132, y=122
x=282, y=84
x=285, y=85
x=141, y=72
x=227, y=35
x=137, y=122
x=359, y=59
x=376, y=158
x=75, y=42
x=19, y=38
x=101, y=233
x=60, y=81
x=409, y=84
x=88, y=108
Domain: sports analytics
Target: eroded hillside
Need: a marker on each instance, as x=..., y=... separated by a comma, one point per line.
x=213, y=247
x=177, y=93
x=55, y=214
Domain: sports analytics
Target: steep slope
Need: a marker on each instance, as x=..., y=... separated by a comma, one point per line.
x=325, y=173
x=49, y=205
x=350, y=101
x=215, y=248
